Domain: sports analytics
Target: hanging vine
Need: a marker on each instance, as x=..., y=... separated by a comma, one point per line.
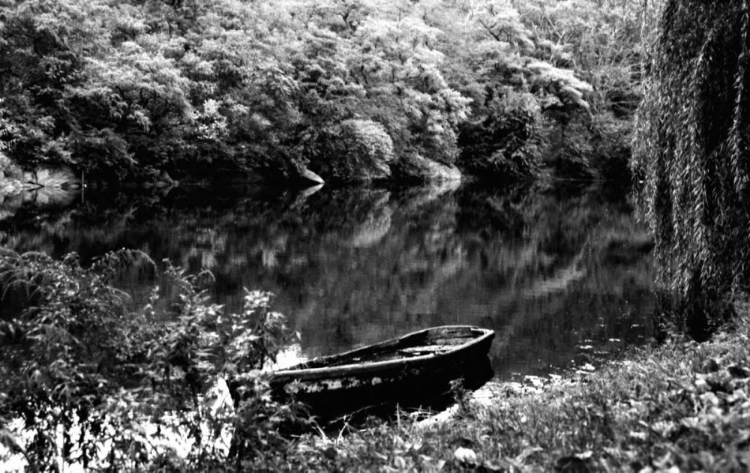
x=691, y=146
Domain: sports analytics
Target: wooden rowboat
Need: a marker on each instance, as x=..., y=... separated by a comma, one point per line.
x=411, y=371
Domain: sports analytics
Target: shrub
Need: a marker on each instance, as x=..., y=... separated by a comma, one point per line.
x=504, y=144
x=355, y=150
x=118, y=387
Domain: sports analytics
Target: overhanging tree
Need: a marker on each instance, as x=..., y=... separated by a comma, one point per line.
x=691, y=148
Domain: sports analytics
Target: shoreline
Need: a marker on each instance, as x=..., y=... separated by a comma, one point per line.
x=680, y=406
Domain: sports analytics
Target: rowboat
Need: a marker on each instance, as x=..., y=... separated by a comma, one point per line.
x=413, y=370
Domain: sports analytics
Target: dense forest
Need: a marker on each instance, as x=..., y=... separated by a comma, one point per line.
x=352, y=90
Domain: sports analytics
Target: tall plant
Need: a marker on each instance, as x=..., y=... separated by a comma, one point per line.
x=98, y=386
x=691, y=149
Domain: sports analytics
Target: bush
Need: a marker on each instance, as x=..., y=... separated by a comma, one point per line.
x=355, y=150
x=504, y=144
x=74, y=361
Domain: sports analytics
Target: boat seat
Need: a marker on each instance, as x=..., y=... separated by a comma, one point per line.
x=424, y=350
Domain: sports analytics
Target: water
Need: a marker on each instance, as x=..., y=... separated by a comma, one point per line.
x=563, y=274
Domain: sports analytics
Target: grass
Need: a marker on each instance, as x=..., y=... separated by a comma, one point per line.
x=681, y=406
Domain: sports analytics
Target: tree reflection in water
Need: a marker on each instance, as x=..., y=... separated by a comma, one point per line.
x=561, y=274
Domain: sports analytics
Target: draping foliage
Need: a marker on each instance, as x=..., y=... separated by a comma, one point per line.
x=691, y=151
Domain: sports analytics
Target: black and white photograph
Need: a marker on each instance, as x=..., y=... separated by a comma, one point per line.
x=375, y=236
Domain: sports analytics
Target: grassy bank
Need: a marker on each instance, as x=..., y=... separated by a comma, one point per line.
x=676, y=407
x=679, y=406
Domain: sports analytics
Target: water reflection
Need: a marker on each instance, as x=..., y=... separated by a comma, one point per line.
x=551, y=270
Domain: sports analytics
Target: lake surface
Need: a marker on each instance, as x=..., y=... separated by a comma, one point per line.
x=562, y=274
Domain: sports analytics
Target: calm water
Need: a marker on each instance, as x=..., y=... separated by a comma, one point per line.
x=563, y=275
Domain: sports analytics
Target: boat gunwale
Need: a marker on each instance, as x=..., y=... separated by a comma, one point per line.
x=363, y=367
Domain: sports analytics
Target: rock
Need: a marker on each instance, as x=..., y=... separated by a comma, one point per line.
x=52, y=177
x=417, y=168
x=573, y=464
x=465, y=456
x=305, y=193
x=307, y=175
x=45, y=196
x=165, y=180
x=429, y=192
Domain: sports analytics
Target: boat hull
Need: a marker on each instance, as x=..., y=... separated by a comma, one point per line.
x=418, y=381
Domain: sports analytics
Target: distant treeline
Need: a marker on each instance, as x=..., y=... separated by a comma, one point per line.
x=350, y=89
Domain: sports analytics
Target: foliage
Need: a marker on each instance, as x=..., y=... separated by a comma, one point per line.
x=680, y=406
x=606, y=43
x=126, y=90
x=511, y=88
x=692, y=151
x=505, y=143
x=88, y=379
x=356, y=150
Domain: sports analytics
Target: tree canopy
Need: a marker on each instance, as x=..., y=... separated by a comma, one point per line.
x=129, y=88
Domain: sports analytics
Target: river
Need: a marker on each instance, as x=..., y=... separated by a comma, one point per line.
x=562, y=273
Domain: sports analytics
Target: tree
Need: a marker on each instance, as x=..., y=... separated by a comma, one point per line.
x=605, y=42
x=39, y=60
x=512, y=87
x=691, y=149
x=131, y=88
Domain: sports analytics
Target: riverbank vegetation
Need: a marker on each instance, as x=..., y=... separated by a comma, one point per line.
x=356, y=90
x=86, y=381
x=135, y=392
x=681, y=406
